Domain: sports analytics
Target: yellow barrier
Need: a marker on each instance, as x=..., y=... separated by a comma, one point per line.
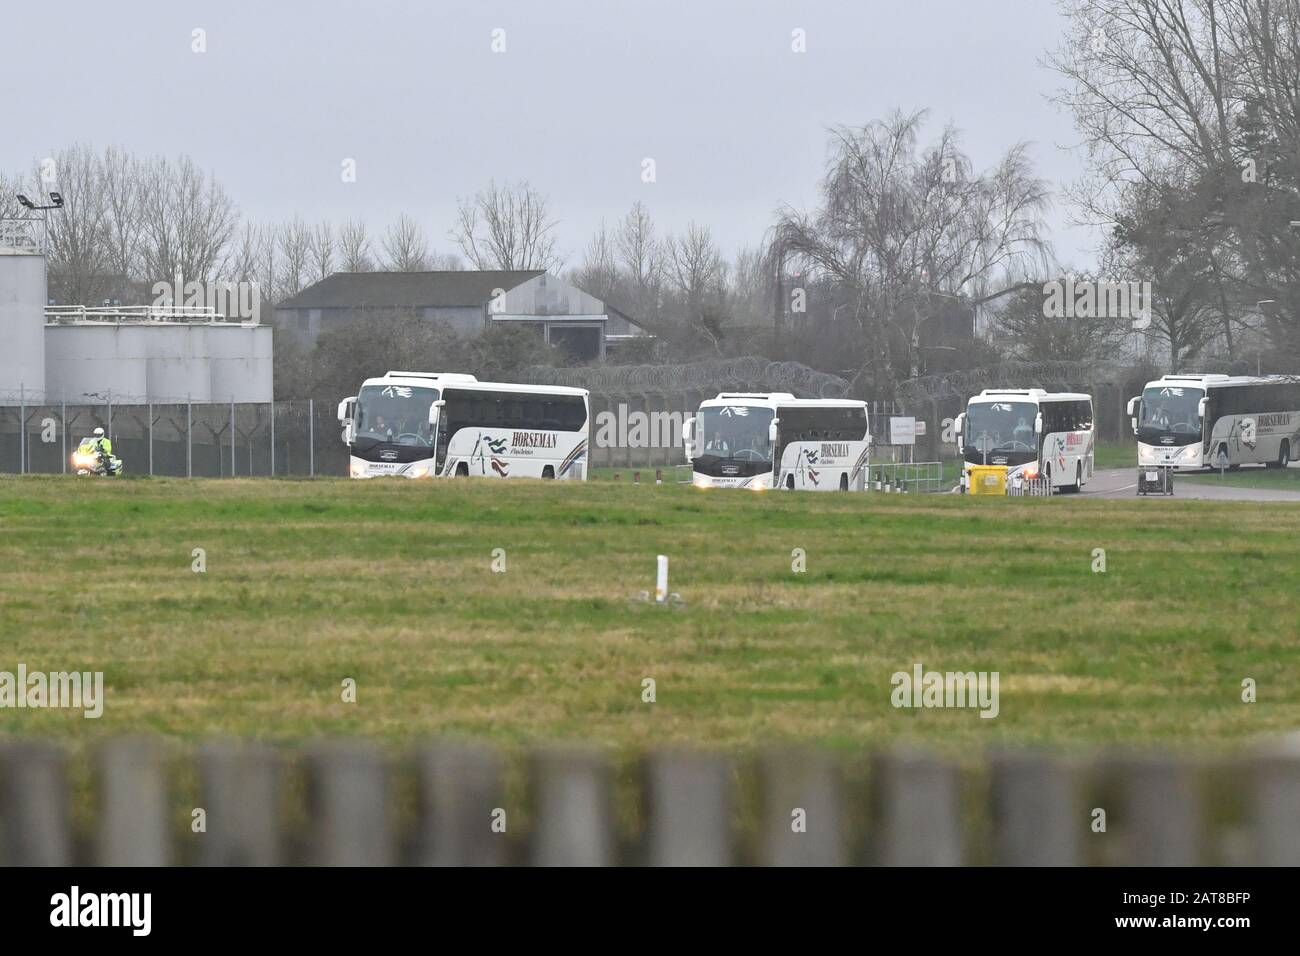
x=987, y=479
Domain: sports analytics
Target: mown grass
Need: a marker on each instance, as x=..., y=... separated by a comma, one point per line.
x=1271, y=479
x=390, y=583
x=1115, y=454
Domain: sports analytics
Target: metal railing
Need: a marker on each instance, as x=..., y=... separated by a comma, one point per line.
x=135, y=314
x=907, y=477
x=1029, y=488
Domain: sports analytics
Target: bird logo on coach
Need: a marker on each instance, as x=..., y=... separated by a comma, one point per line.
x=501, y=467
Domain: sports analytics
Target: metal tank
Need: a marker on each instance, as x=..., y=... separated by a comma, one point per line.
x=23, y=295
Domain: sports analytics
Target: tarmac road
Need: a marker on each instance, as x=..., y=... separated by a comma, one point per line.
x=1122, y=483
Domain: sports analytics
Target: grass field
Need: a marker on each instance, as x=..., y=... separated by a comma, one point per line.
x=390, y=583
x=1250, y=477
x=1115, y=455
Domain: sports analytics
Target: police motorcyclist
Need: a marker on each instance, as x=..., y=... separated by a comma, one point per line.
x=98, y=444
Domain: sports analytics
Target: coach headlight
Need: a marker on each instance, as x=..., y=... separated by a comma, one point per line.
x=358, y=469
x=1030, y=472
x=419, y=471
x=703, y=481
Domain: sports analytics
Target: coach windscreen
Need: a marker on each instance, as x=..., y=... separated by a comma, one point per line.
x=733, y=441
x=1170, y=415
x=1001, y=433
x=394, y=415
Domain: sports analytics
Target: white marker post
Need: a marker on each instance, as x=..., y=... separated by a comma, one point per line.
x=661, y=580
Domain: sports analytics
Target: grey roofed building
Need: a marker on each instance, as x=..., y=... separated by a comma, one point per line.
x=467, y=301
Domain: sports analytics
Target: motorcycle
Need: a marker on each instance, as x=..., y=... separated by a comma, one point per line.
x=90, y=459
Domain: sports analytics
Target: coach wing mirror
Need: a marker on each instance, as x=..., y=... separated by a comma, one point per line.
x=958, y=429
x=347, y=409
x=1038, y=424
x=435, y=412
x=688, y=438
x=773, y=430
x=1201, y=406
x=1133, y=404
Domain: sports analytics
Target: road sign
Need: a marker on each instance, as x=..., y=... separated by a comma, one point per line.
x=902, y=431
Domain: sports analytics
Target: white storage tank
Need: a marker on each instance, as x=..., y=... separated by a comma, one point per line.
x=179, y=364
x=103, y=360
x=241, y=362
x=23, y=296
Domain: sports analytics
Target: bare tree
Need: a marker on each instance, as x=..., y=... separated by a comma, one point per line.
x=187, y=221
x=79, y=271
x=599, y=273
x=405, y=247
x=294, y=241
x=1197, y=97
x=640, y=259
x=897, y=227
x=506, y=227
x=694, y=266
x=120, y=183
x=446, y=262
x=354, y=248
x=10, y=187
x=321, y=248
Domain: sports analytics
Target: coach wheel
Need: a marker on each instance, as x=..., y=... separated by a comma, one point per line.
x=789, y=482
x=462, y=470
x=1047, y=477
x=548, y=472
x=1223, y=457
x=844, y=482
x=1283, y=456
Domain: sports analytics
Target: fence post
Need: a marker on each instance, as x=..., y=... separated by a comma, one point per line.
x=1276, y=804
x=1162, y=811
x=239, y=789
x=460, y=794
x=1037, y=810
x=688, y=799
x=920, y=810
x=348, y=804
x=151, y=439
x=232, y=436
x=110, y=414
x=63, y=424
x=802, y=817
x=311, y=437
x=22, y=428
x=34, y=806
x=573, y=806
x=189, y=438
x=272, y=438
x=133, y=820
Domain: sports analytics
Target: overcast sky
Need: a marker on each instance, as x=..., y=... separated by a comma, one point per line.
x=709, y=89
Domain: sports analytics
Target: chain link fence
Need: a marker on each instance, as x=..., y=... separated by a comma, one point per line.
x=38, y=434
